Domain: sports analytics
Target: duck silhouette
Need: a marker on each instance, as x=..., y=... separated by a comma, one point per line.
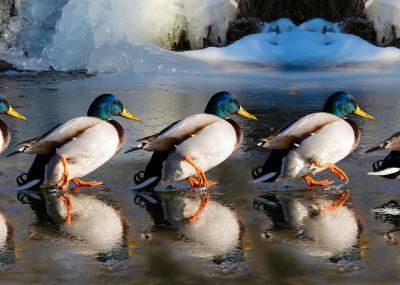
x=97, y=227
x=216, y=233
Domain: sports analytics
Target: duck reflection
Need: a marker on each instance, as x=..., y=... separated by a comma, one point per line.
x=297, y=217
x=205, y=227
x=98, y=226
x=389, y=213
x=7, y=248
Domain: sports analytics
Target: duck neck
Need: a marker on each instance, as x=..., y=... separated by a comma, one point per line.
x=99, y=113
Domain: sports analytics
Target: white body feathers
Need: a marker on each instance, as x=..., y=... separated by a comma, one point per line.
x=208, y=148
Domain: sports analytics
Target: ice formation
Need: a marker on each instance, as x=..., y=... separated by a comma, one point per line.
x=34, y=26
x=386, y=17
x=135, y=35
x=65, y=33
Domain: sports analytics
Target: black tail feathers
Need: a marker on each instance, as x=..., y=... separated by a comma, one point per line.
x=36, y=172
x=391, y=160
x=273, y=164
x=153, y=169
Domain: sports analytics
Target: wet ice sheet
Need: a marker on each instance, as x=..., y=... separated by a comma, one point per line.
x=152, y=248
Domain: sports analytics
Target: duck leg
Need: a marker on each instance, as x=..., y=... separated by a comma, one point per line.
x=64, y=180
x=63, y=184
x=203, y=203
x=339, y=202
x=203, y=181
x=334, y=169
x=311, y=182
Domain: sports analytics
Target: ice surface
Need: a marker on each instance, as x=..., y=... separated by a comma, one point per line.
x=140, y=58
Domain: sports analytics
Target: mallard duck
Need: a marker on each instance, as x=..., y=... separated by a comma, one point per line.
x=77, y=147
x=193, y=145
x=6, y=108
x=389, y=167
x=313, y=143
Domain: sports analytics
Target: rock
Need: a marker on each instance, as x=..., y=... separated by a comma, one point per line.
x=242, y=27
x=7, y=10
x=6, y=66
x=350, y=13
x=181, y=43
x=300, y=11
x=361, y=27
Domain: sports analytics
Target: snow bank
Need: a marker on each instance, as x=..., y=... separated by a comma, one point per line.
x=126, y=35
x=300, y=46
x=386, y=17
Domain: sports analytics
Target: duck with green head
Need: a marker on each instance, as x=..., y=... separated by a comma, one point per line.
x=193, y=145
x=6, y=108
x=77, y=147
x=314, y=143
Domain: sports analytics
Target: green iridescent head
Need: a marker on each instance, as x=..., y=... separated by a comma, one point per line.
x=6, y=108
x=342, y=104
x=107, y=106
x=223, y=104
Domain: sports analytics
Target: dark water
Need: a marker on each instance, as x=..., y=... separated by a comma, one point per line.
x=250, y=234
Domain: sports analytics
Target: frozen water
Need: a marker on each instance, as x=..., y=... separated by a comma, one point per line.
x=67, y=32
x=386, y=17
x=34, y=26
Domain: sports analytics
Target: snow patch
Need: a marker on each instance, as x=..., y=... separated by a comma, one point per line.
x=300, y=46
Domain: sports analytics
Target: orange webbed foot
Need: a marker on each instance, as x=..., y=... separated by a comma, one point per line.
x=311, y=182
x=336, y=170
x=193, y=182
x=339, y=202
x=81, y=183
x=203, y=181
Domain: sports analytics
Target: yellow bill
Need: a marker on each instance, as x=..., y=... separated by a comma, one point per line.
x=126, y=114
x=360, y=112
x=11, y=111
x=244, y=113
